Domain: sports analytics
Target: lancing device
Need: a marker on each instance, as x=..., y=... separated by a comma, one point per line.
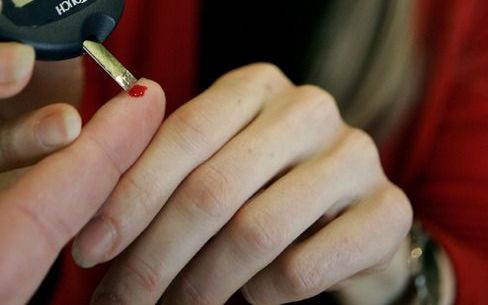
x=63, y=29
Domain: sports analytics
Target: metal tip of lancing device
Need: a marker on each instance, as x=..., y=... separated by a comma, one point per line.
x=110, y=64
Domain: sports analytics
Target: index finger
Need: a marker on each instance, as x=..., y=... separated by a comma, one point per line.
x=40, y=213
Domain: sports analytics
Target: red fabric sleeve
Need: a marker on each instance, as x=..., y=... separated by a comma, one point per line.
x=444, y=164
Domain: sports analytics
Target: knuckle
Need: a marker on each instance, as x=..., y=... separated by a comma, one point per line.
x=315, y=92
x=189, y=127
x=209, y=190
x=268, y=70
x=317, y=104
x=256, y=233
x=140, y=190
x=301, y=279
x=261, y=75
x=145, y=273
x=362, y=142
x=359, y=152
x=397, y=205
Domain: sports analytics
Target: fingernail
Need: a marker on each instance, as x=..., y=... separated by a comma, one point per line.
x=55, y=130
x=92, y=245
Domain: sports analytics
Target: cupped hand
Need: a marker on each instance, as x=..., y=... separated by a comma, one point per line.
x=256, y=184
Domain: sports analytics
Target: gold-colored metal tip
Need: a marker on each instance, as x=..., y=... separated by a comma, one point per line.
x=110, y=64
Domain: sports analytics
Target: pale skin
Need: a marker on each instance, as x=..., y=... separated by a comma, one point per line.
x=255, y=185
x=44, y=206
x=227, y=185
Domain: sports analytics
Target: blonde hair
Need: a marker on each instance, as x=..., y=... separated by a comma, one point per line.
x=363, y=54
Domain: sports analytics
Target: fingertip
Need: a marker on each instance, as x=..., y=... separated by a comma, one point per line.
x=144, y=95
x=151, y=90
x=59, y=126
x=16, y=67
x=94, y=243
x=154, y=85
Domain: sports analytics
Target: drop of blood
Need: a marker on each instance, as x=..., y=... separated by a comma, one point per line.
x=137, y=91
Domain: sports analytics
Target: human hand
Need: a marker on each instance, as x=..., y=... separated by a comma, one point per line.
x=264, y=187
x=57, y=196
x=29, y=130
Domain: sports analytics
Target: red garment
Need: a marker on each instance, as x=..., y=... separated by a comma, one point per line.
x=441, y=160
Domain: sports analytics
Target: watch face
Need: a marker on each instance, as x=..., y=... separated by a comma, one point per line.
x=21, y=3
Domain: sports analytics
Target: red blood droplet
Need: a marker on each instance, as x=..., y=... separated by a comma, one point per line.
x=137, y=91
